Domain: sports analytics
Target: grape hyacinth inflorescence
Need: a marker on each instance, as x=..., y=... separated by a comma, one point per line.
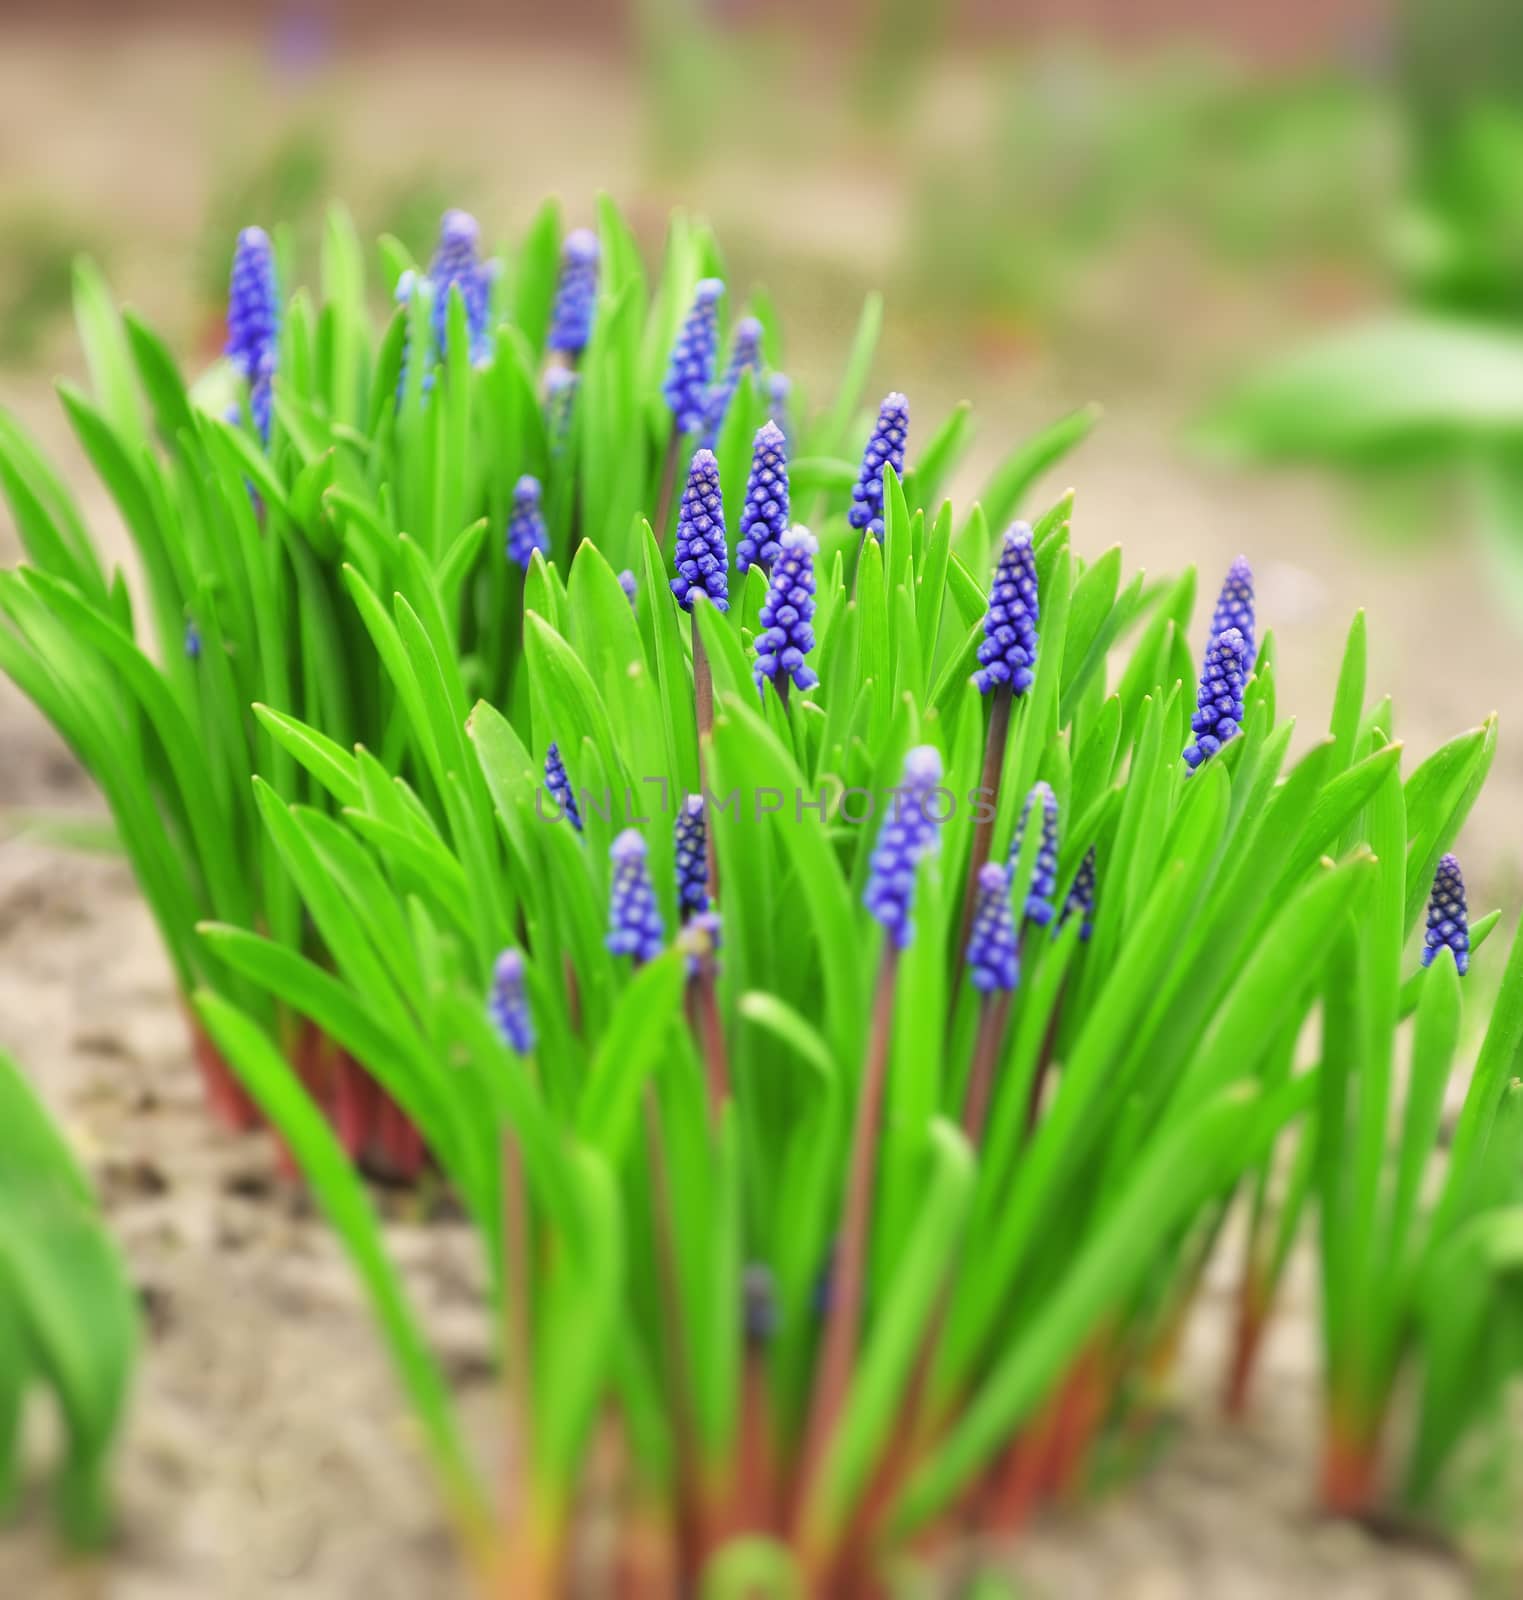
x=1448, y=917
x=526, y=524
x=993, y=959
x=560, y=397
x=1219, y=700
x=1234, y=608
x=690, y=836
x=765, y=518
x=1008, y=653
x=628, y=585
x=559, y=786
x=787, y=614
x=1080, y=900
x=456, y=265
x=1040, y=908
x=885, y=448
x=253, y=322
x=576, y=293
x=745, y=356
x=508, y=1003
x=634, y=916
x=193, y=641
x=690, y=371
x=702, y=559
x=909, y=833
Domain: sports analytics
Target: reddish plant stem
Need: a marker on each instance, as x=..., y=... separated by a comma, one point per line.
x=668, y=485
x=703, y=710
x=517, y=1287
x=1044, y=1062
x=1350, y=1467
x=843, y=1327
x=708, y=1030
x=1081, y=1406
x=983, y=830
x=1247, y=1335
x=782, y=682
x=226, y=1098
x=994, y=1015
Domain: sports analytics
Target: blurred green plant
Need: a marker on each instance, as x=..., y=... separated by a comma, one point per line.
x=37, y=251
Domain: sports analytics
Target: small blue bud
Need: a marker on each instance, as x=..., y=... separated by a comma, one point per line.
x=1448, y=917
x=885, y=448
x=634, y=917
x=559, y=786
x=765, y=518
x=786, y=617
x=508, y=1004
x=690, y=835
x=745, y=356
x=1080, y=901
x=1008, y=653
x=1040, y=908
x=907, y=835
x=993, y=960
x=576, y=294
x=690, y=372
x=1234, y=608
x=1219, y=700
x=701, y=555
x=526, y=525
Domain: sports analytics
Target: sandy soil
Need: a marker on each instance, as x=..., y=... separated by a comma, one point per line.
x=268, y=1450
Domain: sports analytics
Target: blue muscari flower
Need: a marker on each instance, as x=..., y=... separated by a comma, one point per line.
x=993, y=960
x=560, y=396
x=691, y=368
x=908, y=834
x=699, y=942
x=1044, y=876
x=1219, y=700
x=745, y=356
x=1008, y=653
x=526, y=524
x=759, y=1304
x=1080, y=901
x=634, y=917
x=765, y=518
x=456, y=265
x=691, y=838
x=1448, y=919
x=407, y=286
x=576, y=294
x=559, y=786
x=779, y=387
x=262, y=403
x=702, y=559
x=253, y=305
x=787, y=614
x=628, y=585
x=508, y=1004
x=884, y=448
x=192, y=641
x=1234, y=608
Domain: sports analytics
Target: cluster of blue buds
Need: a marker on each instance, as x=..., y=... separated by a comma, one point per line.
x=508, y=1003
x=690, y=372
x=559, y=786
x=1040, y=907
x=628, y=585
x=1448, y=917
x=1234, y=608
x=526, y=524
x=909, y=833
x=702, y=559
x=457, y=265
x=1080, y=901
x=634, y=916
x=885, y=448
x=699, y=942
x=1219, y=700
x=1008, y=654
x=253, y=321
x=745, y=356
x=576, y=293
x=787, y=614
x=765, y=518
x=993, y=959
x=690, y=836
x=779, y=388
x=193, y=642
x=560, y=397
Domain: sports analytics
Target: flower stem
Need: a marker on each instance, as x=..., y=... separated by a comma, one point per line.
x=703, y=708
x=983, y=831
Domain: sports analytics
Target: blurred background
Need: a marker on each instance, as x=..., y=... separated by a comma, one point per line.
x=1281, y=245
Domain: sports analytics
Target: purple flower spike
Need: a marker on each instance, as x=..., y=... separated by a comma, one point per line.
x=1008, y=653
x=884, y=449
x=634, y=917
x=559, y=786
x=787, y=614
x=456, y=265
x=576, y=294
x=765, y=518
x=993, y=961
x=1081, y=897
x=908, y=834
x=702, y=559
x=253, y=305
x=526, y=525
x=691, y=837
x=560, y=397
x=1044, y=877
x=508, y=1004
x=1234, y=608
x=745, y=356
x=779, y=388
x=1448, y=918
x=1219, y=700
x=628, y=585
x=690, y=371
x=700, y=942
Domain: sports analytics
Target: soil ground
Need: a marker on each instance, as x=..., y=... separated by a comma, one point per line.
x=268, y=1449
